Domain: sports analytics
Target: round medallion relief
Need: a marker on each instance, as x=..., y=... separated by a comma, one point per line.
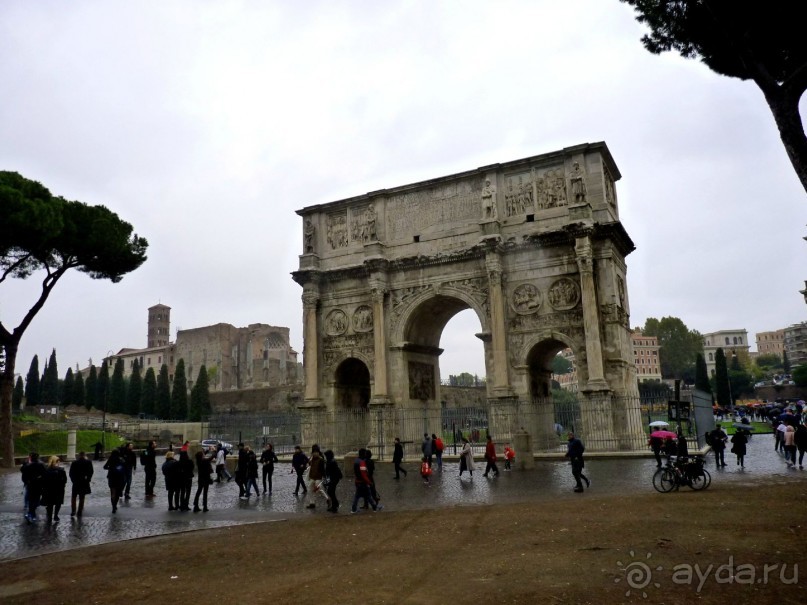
x=336, y=323
x=526, y=299
x=564, y=294
x=363, y=319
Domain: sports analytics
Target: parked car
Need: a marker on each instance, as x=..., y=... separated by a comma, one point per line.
x=206, y=443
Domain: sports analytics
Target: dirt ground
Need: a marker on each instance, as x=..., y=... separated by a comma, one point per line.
x=649, y=547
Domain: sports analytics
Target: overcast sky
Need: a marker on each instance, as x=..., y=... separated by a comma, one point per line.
x=206, y=124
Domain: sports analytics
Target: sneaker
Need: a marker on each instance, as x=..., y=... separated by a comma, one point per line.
x=56, y=518
x=354, y=512
x=378, y=508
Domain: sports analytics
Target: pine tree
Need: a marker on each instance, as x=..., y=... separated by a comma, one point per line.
x=200, y=397
x=134, y=392
x=18, y=394
x=102, y=387
x=117, y=389
x=32, y=389
x=67, y=390
x=179, y=393
x=148, y=398
x=79, y=396
x=163, y=400
x=91, y=389
x=722, y=393
x=702, y=374
x=50, y=382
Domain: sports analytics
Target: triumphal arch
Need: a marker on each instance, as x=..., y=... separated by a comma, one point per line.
x=533, y=246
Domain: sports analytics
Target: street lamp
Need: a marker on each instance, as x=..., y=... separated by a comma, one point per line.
x=103, y=416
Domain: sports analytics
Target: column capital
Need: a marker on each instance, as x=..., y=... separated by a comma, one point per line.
x=310, y=296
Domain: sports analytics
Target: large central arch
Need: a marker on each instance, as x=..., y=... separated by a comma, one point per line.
x=534, y=247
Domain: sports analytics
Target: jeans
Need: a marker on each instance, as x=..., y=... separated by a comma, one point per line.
x=363, y=491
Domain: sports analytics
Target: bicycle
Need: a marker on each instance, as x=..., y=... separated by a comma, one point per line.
x=682, y=471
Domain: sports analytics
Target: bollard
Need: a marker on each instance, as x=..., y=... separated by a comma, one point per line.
x=522, y=444
x=71, y=445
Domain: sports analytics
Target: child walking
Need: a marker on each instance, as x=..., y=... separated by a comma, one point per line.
x=509, y=456
x=425, y=471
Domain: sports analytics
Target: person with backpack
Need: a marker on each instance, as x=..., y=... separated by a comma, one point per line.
x=333, y=475
x=739, y=441
x=574, y=453
x=173, y=479
x=438, y=446
x=316, y=475
x=362, y=483
x=115, y=478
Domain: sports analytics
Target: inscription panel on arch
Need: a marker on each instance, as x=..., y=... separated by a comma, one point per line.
x=410, y=213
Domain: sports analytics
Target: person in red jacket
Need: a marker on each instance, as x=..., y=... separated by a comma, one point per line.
x=509, y=456
x=438, y=447
x=490, y=458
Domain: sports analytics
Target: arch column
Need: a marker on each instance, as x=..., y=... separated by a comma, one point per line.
x=381, y=389
x=311, y=343
x=501, y=384
x=591, y=320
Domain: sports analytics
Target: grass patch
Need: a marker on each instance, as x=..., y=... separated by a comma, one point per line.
x=55, y=442
x=759, y=428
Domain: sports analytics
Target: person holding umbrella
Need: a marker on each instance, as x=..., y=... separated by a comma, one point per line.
x=719, y=439
x=739, y=439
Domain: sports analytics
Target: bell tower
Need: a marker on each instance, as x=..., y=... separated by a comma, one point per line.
x=159, y=325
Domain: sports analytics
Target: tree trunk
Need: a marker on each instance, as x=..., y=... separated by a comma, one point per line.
x=6, y=390
x=785, y=110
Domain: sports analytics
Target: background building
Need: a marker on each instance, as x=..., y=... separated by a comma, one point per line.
x=646, y=356
x=733, y=342
x=796, y=343
x=771, y=343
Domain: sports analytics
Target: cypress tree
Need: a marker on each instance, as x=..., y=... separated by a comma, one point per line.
x=785, y=363
x=117, y=389
x=702, y=374
x=721, y=380
x=78, y=390
x=163, y=401
x=18, y=394
x=102, y=387
x=148, y=398
x=179, y=393
x=200, y=397
x=91, y=389
x=134, y=391
x=68, y=388
x=32, y=390
x=50, y=381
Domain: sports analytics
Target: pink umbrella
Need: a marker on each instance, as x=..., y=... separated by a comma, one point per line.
x=663, y=434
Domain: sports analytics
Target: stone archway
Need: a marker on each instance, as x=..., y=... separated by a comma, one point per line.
x=352, y=384
x=534, y=246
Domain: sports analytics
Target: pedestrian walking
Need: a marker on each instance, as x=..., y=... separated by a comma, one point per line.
x=316, y=475
x=333, y=475
x=33, y=476
x=204, y=469
x=397, y=458
x=115, y=478
x=574, y=453
x=148, y=460
x=426, y=448
x=789, y=443
x=129, y=464
x=221, y=465
x=81, y=472
x=362, y=483
x=466, y=458
x=438, y=446
x=509, y=457
x=490, y=458
x=800, y=438
x=252, y=474
x=738, y=448
x=173, y=480
x=241, y=469
x=371, y=473
x=656, y=444
x=425, y=471
x=719, y=439
x=268, y=461
x=185, y=473
x=53, y=486
x=299, y=462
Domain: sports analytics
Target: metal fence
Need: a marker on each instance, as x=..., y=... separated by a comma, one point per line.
x=604, y=422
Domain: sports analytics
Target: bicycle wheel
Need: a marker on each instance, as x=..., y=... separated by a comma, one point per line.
x=664, y=480
x=700, y=480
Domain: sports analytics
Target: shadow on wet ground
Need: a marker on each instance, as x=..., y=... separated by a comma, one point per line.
x=138, y=517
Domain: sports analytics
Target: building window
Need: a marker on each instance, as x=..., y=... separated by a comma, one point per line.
x=160, y=359
x=149, y=360
x=711, y=357
x=727, y=340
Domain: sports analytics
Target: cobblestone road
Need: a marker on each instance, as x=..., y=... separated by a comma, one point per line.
x=550, y=481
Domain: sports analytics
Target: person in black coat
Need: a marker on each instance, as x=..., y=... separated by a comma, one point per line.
x=739, y=441
x=115, y=478
x=574, y=453
x=252, y=473
x=173, y=479
x=333, y=475
x=397, y=458
x=80, y=476
x=241, y=469
x=204, y=469
x=149, y=461
x=53, y=489
x=268, y=460
x=129, y=464
x=33, y=475
x=186, y=480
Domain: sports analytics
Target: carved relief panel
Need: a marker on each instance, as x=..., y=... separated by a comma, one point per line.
x=610, y=187
x=337, y=235
x=564, y=294
x=526, y=299
x=363, y=319
x=336, y=323
x=421, y=380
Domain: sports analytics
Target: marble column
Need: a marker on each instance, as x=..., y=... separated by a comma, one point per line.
x=501, y=387
x=381, y=393
x=591, y=321
x=310, y=342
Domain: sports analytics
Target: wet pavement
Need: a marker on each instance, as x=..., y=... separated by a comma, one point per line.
x=549, y=481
